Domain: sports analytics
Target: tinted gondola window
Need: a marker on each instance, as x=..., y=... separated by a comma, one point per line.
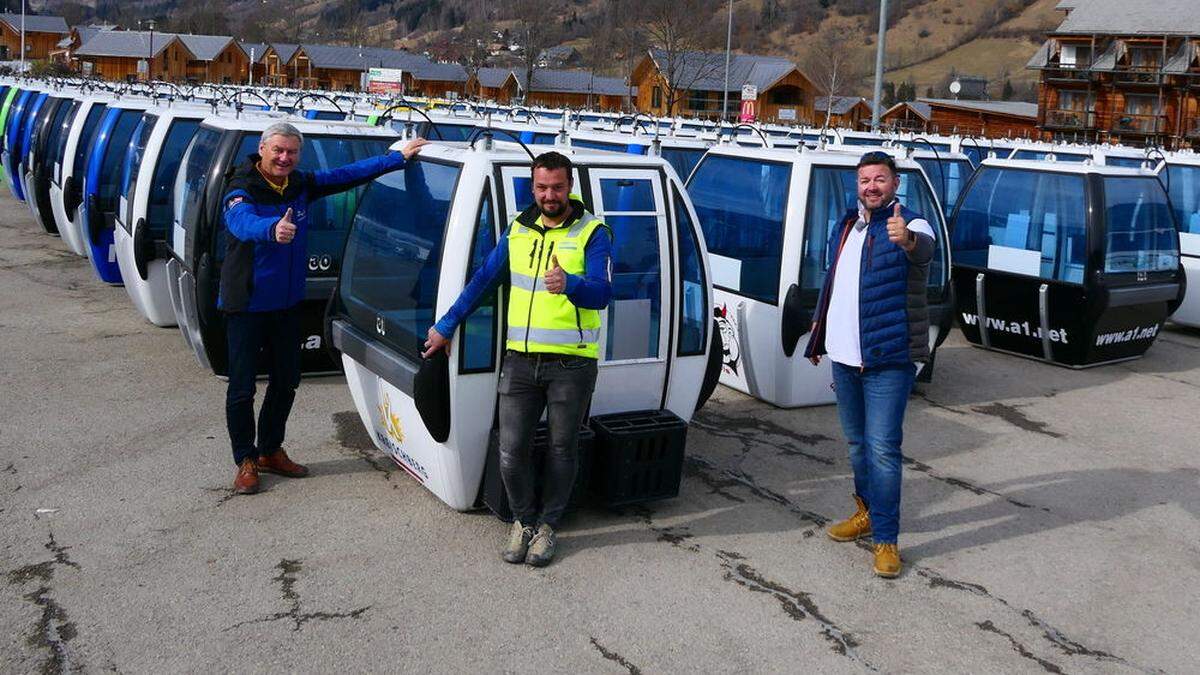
x=114, y=153
x=162, y=193
x=193, y=175
x=741, y=206
x=1043, y=154
x=598, y=145
x=56, y=130
x=1140, y=228
x=85, y=138
x=948, y=177
x=479, y=329
x=393, y=255
x=683, y=160
x=133, y=162
x=634, y=314
x=1130, y=162
x=1024, y=222
x=1183, y=181
x=693, y=330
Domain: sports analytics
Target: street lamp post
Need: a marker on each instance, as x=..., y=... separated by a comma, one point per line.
x=22, y=37
x=150, y=61
x=877, y=98
x=728, y=45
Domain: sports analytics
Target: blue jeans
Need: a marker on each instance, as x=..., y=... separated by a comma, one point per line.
x=871, y=406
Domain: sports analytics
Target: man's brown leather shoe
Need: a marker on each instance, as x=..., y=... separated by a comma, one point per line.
x=246, y=482
x=278, y=463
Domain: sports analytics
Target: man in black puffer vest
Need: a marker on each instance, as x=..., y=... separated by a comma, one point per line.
x=263, y=279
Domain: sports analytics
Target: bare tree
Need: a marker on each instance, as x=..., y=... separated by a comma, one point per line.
x=833, y=67
x=679, y=31
x=537, y=24
x=624, y=43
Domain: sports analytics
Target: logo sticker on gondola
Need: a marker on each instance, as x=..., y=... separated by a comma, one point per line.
x=391, y=421
x=730, y=354
x=391, y=437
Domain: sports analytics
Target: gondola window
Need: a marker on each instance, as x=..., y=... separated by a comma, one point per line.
x=393, y=254
x=479, y=329
x=133, y=162
x=634, y=314
x=162, y=194
x=1184, y=182
x=741, y=206
x=1024, y=222
x=1141, y=231
x=693, y=333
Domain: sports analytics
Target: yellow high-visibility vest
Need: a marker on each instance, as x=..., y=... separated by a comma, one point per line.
x=540, y=321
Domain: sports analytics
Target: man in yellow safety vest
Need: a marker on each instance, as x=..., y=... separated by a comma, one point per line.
x=556, y=257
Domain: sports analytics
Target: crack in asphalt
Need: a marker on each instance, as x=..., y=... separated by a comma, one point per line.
x=226, y=493
x=924, y=468
x=288, y=569
x=616, y=658
x=1019, y=648
x=718, y=425
x=798, y=605
x=350, y=434
x=1013, y=415
x=1054, y=636
x=54, y=628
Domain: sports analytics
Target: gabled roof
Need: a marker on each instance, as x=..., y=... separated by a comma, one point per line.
x=259, y=49
x=921, y=109
x=493, y=77
x=36, y=23
x=85, y=33
x=1124, y=17
x=205, y=47
x=340, y=57
x=705, y=71
x=126, y=43
x=841, y=104
x=1009, y=108
x=573, y=82
x=285, y=51
x=1041, y=58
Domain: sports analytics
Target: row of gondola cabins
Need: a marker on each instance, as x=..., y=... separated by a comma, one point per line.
x=720, y=246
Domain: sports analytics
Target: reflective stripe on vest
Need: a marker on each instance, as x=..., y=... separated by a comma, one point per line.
x=540, y=321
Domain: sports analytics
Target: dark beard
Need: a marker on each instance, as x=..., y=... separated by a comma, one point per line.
x=555, y=214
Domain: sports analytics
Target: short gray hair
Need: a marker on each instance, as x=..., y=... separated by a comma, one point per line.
x=281, y=129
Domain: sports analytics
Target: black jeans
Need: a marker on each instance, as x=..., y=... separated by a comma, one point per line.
x=530, y=383
x=278, y=334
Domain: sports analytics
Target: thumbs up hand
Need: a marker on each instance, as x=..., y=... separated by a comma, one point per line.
x=555, y=278
x=285, y=230
x=897, y=230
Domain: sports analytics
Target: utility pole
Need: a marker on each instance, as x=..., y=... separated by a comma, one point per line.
x=880, y=48
x=22, y=38
x=728, y=46
x=150, y=62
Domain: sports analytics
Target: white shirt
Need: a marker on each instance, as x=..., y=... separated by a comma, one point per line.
x=842, y=341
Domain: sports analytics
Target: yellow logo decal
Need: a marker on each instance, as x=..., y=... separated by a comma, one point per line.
x=391, y=421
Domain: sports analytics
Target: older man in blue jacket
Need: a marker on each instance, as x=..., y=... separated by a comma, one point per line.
x=263, y=280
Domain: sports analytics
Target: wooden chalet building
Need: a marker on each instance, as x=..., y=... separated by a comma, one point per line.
x=1121, y=71
x=42, y=35
x=337, y=67
x=847, y=112
x=784, y=93
x=114, y=55
x=991, y=119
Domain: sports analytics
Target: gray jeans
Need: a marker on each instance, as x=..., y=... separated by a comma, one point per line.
x=530, y=383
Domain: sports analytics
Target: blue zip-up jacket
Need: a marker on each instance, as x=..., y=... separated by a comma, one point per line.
x=259, y=274
x=893, y=308
x=591, y=291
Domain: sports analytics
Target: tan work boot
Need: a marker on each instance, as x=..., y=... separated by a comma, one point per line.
x=887, y=561
x=855, y=527
x=541, y=547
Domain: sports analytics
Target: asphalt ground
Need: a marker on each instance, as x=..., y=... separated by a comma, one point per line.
x=1050, y=523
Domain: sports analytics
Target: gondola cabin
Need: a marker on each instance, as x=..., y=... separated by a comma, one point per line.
x=767, y=215
x=145, y=205
x=66, y=178
x=1067, y=262
x=1180, y=175
x=197, y=241
x=419, y=235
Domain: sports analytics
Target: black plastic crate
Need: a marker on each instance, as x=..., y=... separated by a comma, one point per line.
x=494, y=496
x=638, y=456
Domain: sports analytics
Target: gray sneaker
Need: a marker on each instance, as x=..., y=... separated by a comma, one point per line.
x=541, y=549
x=518, y=543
